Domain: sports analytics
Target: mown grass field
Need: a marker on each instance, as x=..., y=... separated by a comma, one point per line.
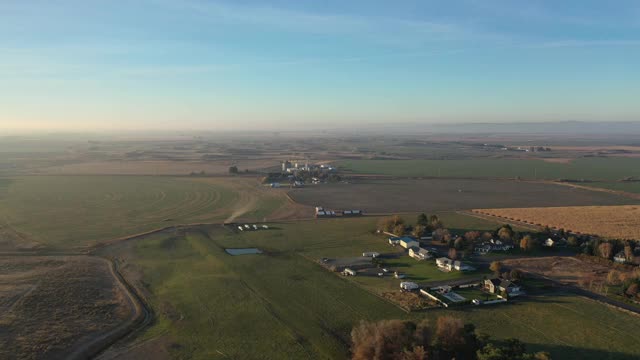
x=281, y=304
x=606, y=169
x=70, y=211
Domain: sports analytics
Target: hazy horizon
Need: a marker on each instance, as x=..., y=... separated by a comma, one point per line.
x=188, y=65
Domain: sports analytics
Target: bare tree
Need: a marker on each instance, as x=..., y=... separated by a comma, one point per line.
x=419, y=231
x=472, y=236
x=628, y=252
x=496, y=267
x=606, y=250
x=449, y=333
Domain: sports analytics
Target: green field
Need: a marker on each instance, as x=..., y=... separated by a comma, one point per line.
x=631, y=187
x=607, y=169
x=281, y=304
x=272, y=306
x=68, y=211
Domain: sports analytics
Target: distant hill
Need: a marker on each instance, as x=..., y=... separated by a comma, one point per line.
x=561, y=127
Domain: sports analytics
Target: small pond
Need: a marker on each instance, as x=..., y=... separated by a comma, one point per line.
x=245, y=251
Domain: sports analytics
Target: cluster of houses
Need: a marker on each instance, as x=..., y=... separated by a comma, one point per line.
x=446, y=264
x=418, y=253
x=294, y=167
x=501, y=286
x=491, y=246
x=409, y=243
x=321, y=212
x=296, y=184
x=554, y=242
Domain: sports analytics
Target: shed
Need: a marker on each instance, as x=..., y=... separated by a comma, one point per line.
x=409, y=286
x=348, y=272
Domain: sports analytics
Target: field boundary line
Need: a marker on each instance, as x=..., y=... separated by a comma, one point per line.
x=499, y=219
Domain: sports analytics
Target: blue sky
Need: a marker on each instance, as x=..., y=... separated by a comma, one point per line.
x=205, y=64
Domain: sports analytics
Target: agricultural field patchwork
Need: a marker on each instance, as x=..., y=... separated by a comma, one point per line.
x=616, y=222
x=76, y=211
x=401, y=195
x=609, y=169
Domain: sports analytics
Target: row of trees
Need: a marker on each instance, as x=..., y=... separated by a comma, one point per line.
x=424, y=225
x=607, y=249
x=449, y=338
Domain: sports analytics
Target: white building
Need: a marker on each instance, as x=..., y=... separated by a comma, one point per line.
x=409, y=286
x=349, y=272
x=419, y=253
x=407, y=243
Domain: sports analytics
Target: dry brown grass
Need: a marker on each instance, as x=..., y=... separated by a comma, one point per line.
x=619, y=222
x=566, y=270
x=50, y=305
x=409, y=301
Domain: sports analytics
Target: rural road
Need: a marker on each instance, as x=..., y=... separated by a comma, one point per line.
x=142, y=316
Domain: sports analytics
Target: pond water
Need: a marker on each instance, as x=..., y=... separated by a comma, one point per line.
x=245, y=251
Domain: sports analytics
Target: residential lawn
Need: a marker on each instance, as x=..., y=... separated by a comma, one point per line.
x=425, y=270
x=475, y=293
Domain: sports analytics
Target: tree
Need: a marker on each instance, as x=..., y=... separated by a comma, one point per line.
x=628, y=252
x=422, y=220
x=453, y=254
x=435, y=223
x=486, y=236
x=496, y=266
x=633, y=289
x=505, y=233
x=399, y=229
x=471, y=236
x=573, y=241
x=382, y=340
x=407, y=340
x=449, y=333
x=442, y=235
x=459, y=243
x=613, y=277
x=419, y=231
x=389, y=224
x=515, y=274
x=606, y=250
x=525, y=243
x=233, y=169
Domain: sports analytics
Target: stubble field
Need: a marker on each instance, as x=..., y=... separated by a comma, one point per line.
x=51, y=306
x=402, y=195
x=617, y=222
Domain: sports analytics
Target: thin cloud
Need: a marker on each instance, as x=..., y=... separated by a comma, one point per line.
x=587, y=43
